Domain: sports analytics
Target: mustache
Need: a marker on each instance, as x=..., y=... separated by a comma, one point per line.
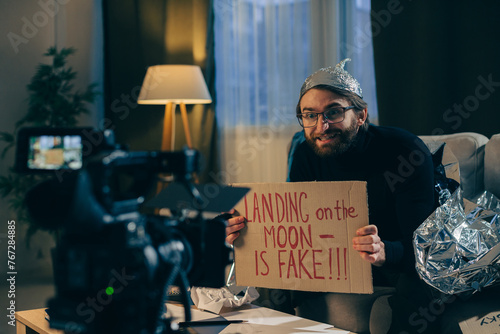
x=328, y=133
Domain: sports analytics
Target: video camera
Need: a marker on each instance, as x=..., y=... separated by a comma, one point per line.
x=113, y=264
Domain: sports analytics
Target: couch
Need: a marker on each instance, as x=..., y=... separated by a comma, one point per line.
x=478, y=169
x=478, y=159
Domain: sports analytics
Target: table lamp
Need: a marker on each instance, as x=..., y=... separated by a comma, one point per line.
x=171, y=85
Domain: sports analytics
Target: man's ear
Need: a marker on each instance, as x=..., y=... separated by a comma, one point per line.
x=362, y=115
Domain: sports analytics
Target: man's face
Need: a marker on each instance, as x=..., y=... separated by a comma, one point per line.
x=329, y=139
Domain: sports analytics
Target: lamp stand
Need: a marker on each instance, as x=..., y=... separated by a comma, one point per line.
x=168, y=117
x=168, y=126
x=187, y=133
x=186, y=124
x=168, y=135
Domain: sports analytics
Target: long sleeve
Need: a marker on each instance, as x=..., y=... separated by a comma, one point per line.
x=398, y=169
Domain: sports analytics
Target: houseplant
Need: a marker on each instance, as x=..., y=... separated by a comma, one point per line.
x=52, y=102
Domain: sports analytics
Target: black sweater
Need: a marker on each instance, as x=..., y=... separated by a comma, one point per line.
x=398, y=169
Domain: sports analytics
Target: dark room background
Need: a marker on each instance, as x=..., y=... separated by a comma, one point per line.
x=437, y=66
x=139, y=34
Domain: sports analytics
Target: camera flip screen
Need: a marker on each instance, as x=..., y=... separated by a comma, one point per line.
x=51, y=152
x=44, y=150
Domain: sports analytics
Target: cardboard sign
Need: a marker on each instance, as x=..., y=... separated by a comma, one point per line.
x=299, y=237
x=487, y=324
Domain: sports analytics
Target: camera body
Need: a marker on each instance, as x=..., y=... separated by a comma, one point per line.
x=113, y=264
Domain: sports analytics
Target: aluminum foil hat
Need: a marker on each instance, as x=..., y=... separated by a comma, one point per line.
x=336, y=77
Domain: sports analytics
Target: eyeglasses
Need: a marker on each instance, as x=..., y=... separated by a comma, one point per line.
x=332, y=116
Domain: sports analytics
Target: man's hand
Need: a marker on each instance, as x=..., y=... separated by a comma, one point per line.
x=369, y=245
x=234, y=224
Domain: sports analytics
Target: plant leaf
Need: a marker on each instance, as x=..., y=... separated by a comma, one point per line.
x=6, y=149
x=7, y=137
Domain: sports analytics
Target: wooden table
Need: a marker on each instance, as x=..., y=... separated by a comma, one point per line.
x=33, y=321
x=258, y=319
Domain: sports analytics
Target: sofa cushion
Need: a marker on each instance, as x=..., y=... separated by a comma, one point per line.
x=468, y=148
x=492, y=165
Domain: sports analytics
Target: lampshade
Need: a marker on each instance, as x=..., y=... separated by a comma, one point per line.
x=174, y=83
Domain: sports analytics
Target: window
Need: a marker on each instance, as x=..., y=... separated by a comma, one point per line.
x=264, y=50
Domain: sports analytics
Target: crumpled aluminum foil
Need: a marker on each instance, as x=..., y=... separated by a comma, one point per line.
x=214, y=300
x=336, y=77
x=458, y=251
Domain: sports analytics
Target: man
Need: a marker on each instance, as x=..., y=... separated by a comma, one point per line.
x=340, y=145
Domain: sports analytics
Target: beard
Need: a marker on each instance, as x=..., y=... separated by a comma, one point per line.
x=345, y=139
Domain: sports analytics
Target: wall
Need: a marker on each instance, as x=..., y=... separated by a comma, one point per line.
x=27, y=29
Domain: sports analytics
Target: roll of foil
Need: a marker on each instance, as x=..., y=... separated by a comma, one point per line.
x=457, y=250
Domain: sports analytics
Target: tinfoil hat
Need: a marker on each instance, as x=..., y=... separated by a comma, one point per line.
x=335, y=77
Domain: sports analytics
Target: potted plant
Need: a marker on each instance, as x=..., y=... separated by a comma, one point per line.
x=53, y=102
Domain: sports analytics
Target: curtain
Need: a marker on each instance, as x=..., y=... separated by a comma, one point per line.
x=262, y=57
x=263, y=52
x=355, y=29
x=437, y=65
